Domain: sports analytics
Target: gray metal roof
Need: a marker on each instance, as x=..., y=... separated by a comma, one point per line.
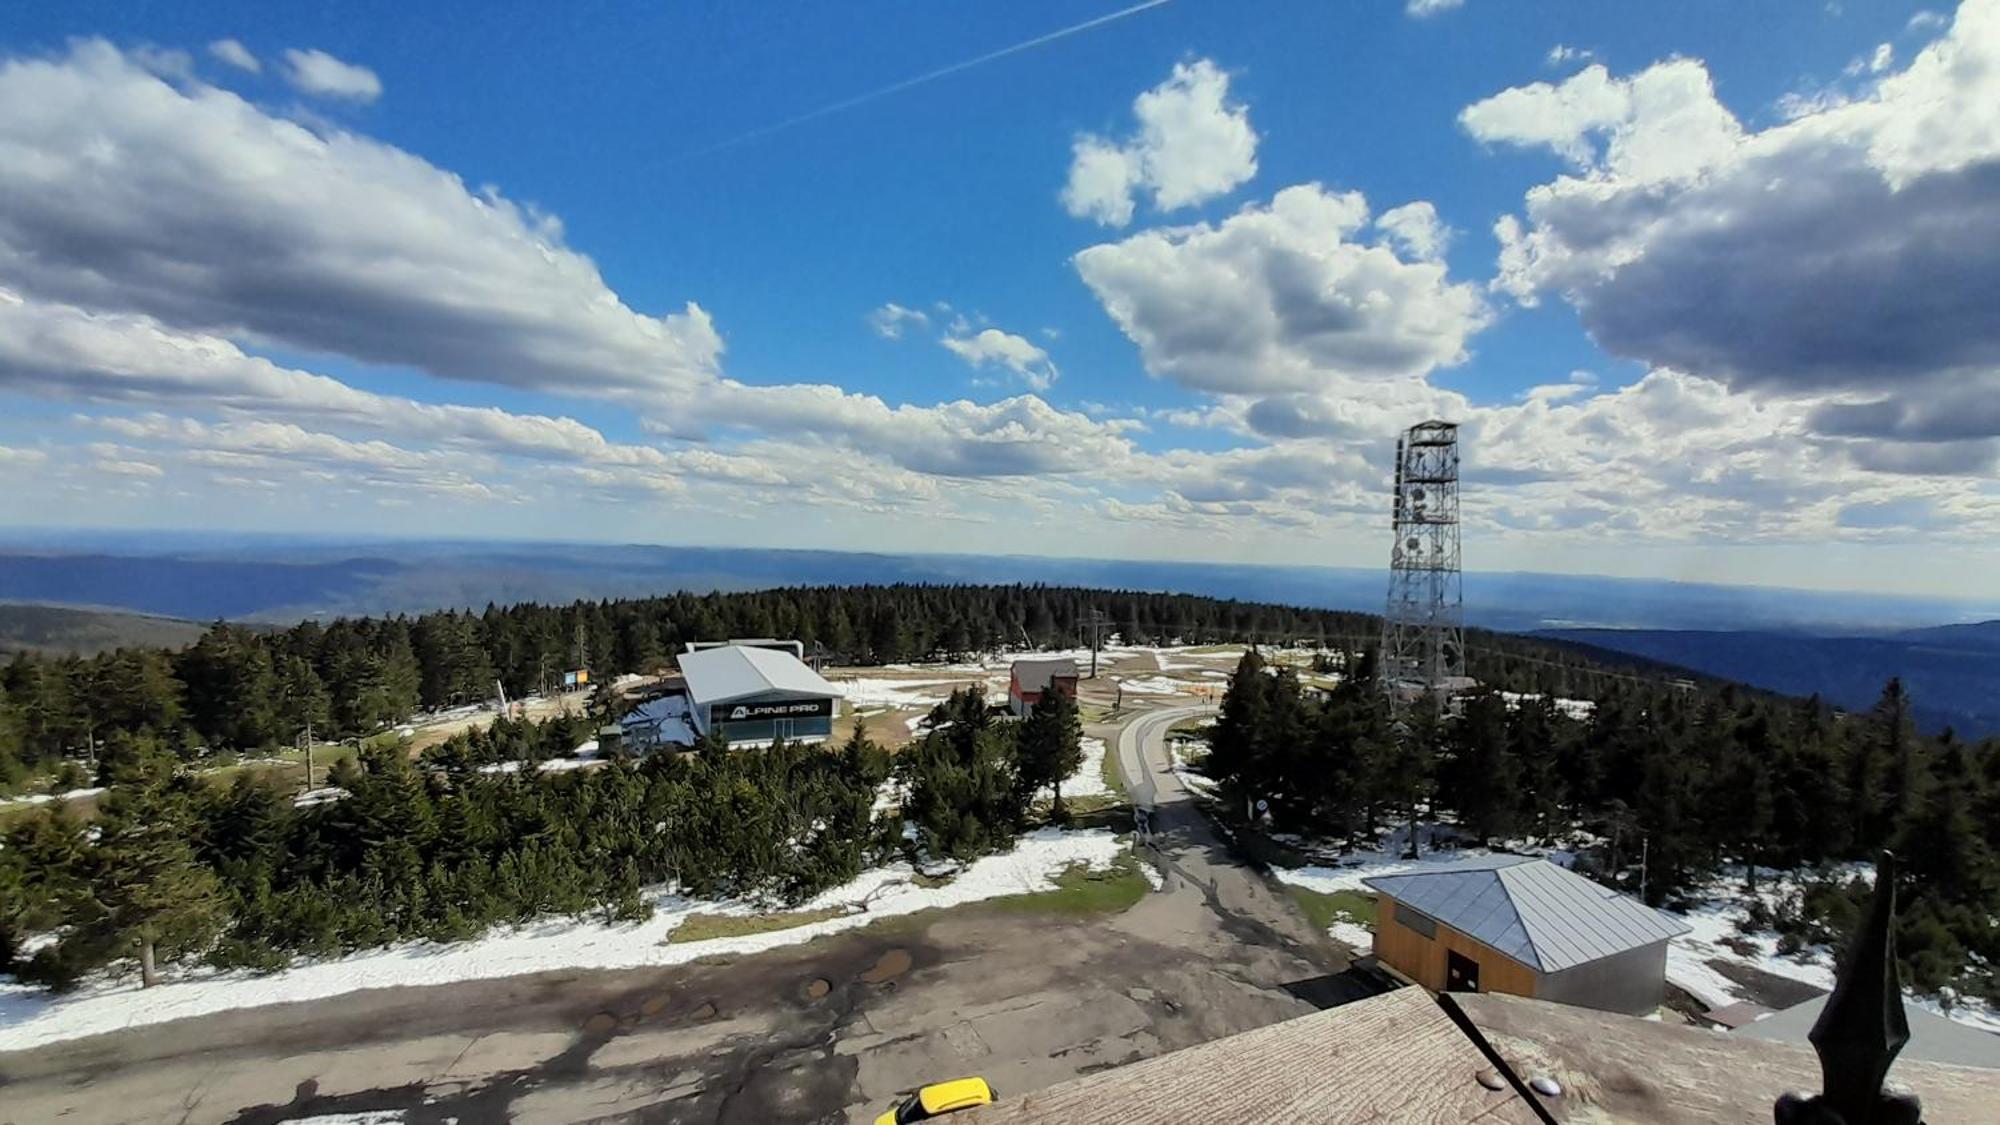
x=1545, y=916
x=718, y=675
x=1932, y=1036
x=1034, y=675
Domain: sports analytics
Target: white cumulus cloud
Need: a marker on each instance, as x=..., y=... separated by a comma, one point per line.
x=204, y=211
x=1281, y=298
x=1849, y=252
x=890, y=320
x=316, y=72
x=233, y=52
x=1193, y=144
x=1018, y=354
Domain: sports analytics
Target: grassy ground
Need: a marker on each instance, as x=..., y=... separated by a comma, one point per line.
x=702, y=927
x=1323, y=910
x=1081, y=890
x=289, y=771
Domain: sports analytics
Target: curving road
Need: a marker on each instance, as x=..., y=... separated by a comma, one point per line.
x=1197, y=863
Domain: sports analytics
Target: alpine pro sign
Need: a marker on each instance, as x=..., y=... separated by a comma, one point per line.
x=772, y=709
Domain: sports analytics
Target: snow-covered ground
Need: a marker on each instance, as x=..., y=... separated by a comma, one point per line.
x=1717, y=936
x=46, y=798
x=32, y=1018
x=1089, y=778
x=551, y=765
x=1578, y=709
x=896, y=693
x=1191, y=779
x=1154, y=685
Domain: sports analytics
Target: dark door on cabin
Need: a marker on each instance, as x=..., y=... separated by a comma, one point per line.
x=1461, y=973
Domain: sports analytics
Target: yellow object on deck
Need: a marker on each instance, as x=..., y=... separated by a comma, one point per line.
x=940, y=1098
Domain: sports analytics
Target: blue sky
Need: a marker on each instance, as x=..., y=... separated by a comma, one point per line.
x=246, y=246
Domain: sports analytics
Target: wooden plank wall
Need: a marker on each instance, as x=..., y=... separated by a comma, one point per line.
x=1423, y=959
x=1395, y=1057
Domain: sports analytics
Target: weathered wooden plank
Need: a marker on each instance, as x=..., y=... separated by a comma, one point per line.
x=1618, y=1068
x=1394, y=1057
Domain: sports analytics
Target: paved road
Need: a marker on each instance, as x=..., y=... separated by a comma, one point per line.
x=1196, y=859
x=828, y=1031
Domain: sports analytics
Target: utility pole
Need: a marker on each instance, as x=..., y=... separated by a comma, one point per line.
x=308, y=732
x=1096, y=631
x=1645, y=849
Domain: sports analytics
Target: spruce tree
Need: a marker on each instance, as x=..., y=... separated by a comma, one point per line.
x=1050, y=747
x=150, y=897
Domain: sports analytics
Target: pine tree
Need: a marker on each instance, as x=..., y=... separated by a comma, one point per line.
x=1479, y=776
x=149, y=896
x=1412, y=766
x=1237, y=737
x=1050, y=747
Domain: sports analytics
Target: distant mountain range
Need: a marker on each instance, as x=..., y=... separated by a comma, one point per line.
x=282, y=580
x=1952, y=672
x=1842, y=645
x=84, y=632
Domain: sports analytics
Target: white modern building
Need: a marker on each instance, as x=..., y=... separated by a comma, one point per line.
x=755, y=695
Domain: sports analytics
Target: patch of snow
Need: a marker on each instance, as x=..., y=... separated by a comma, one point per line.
x=552, y=765
x=32, y=1018
x=1088, y=781
x=889, y=796
x=585, y=749
x=1969, y=1010
x=319, y=796
x=1578, y=709
x=1191, y=779
x=47, y=798
x=1155, y=685
x=365, y=1117
x=1716, y=936
x=895, y=693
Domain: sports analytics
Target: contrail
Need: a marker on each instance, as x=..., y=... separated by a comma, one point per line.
x=930, y=76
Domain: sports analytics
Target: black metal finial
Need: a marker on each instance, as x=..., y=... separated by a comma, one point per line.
x=1862, y=1028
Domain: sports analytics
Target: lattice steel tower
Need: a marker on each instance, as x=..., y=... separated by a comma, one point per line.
x=1423, y=636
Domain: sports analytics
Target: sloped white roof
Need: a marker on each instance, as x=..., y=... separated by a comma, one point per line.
x=718, y=675
x=1542, y=915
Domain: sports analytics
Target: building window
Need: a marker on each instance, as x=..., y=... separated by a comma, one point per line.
x=1416, y=920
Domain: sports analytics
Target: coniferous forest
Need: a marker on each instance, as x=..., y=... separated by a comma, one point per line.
x=1711, y=782
x=176, y=868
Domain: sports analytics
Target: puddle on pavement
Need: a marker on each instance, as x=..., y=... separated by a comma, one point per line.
x=600, y=1024
x=891, y=965
x=818, y=987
